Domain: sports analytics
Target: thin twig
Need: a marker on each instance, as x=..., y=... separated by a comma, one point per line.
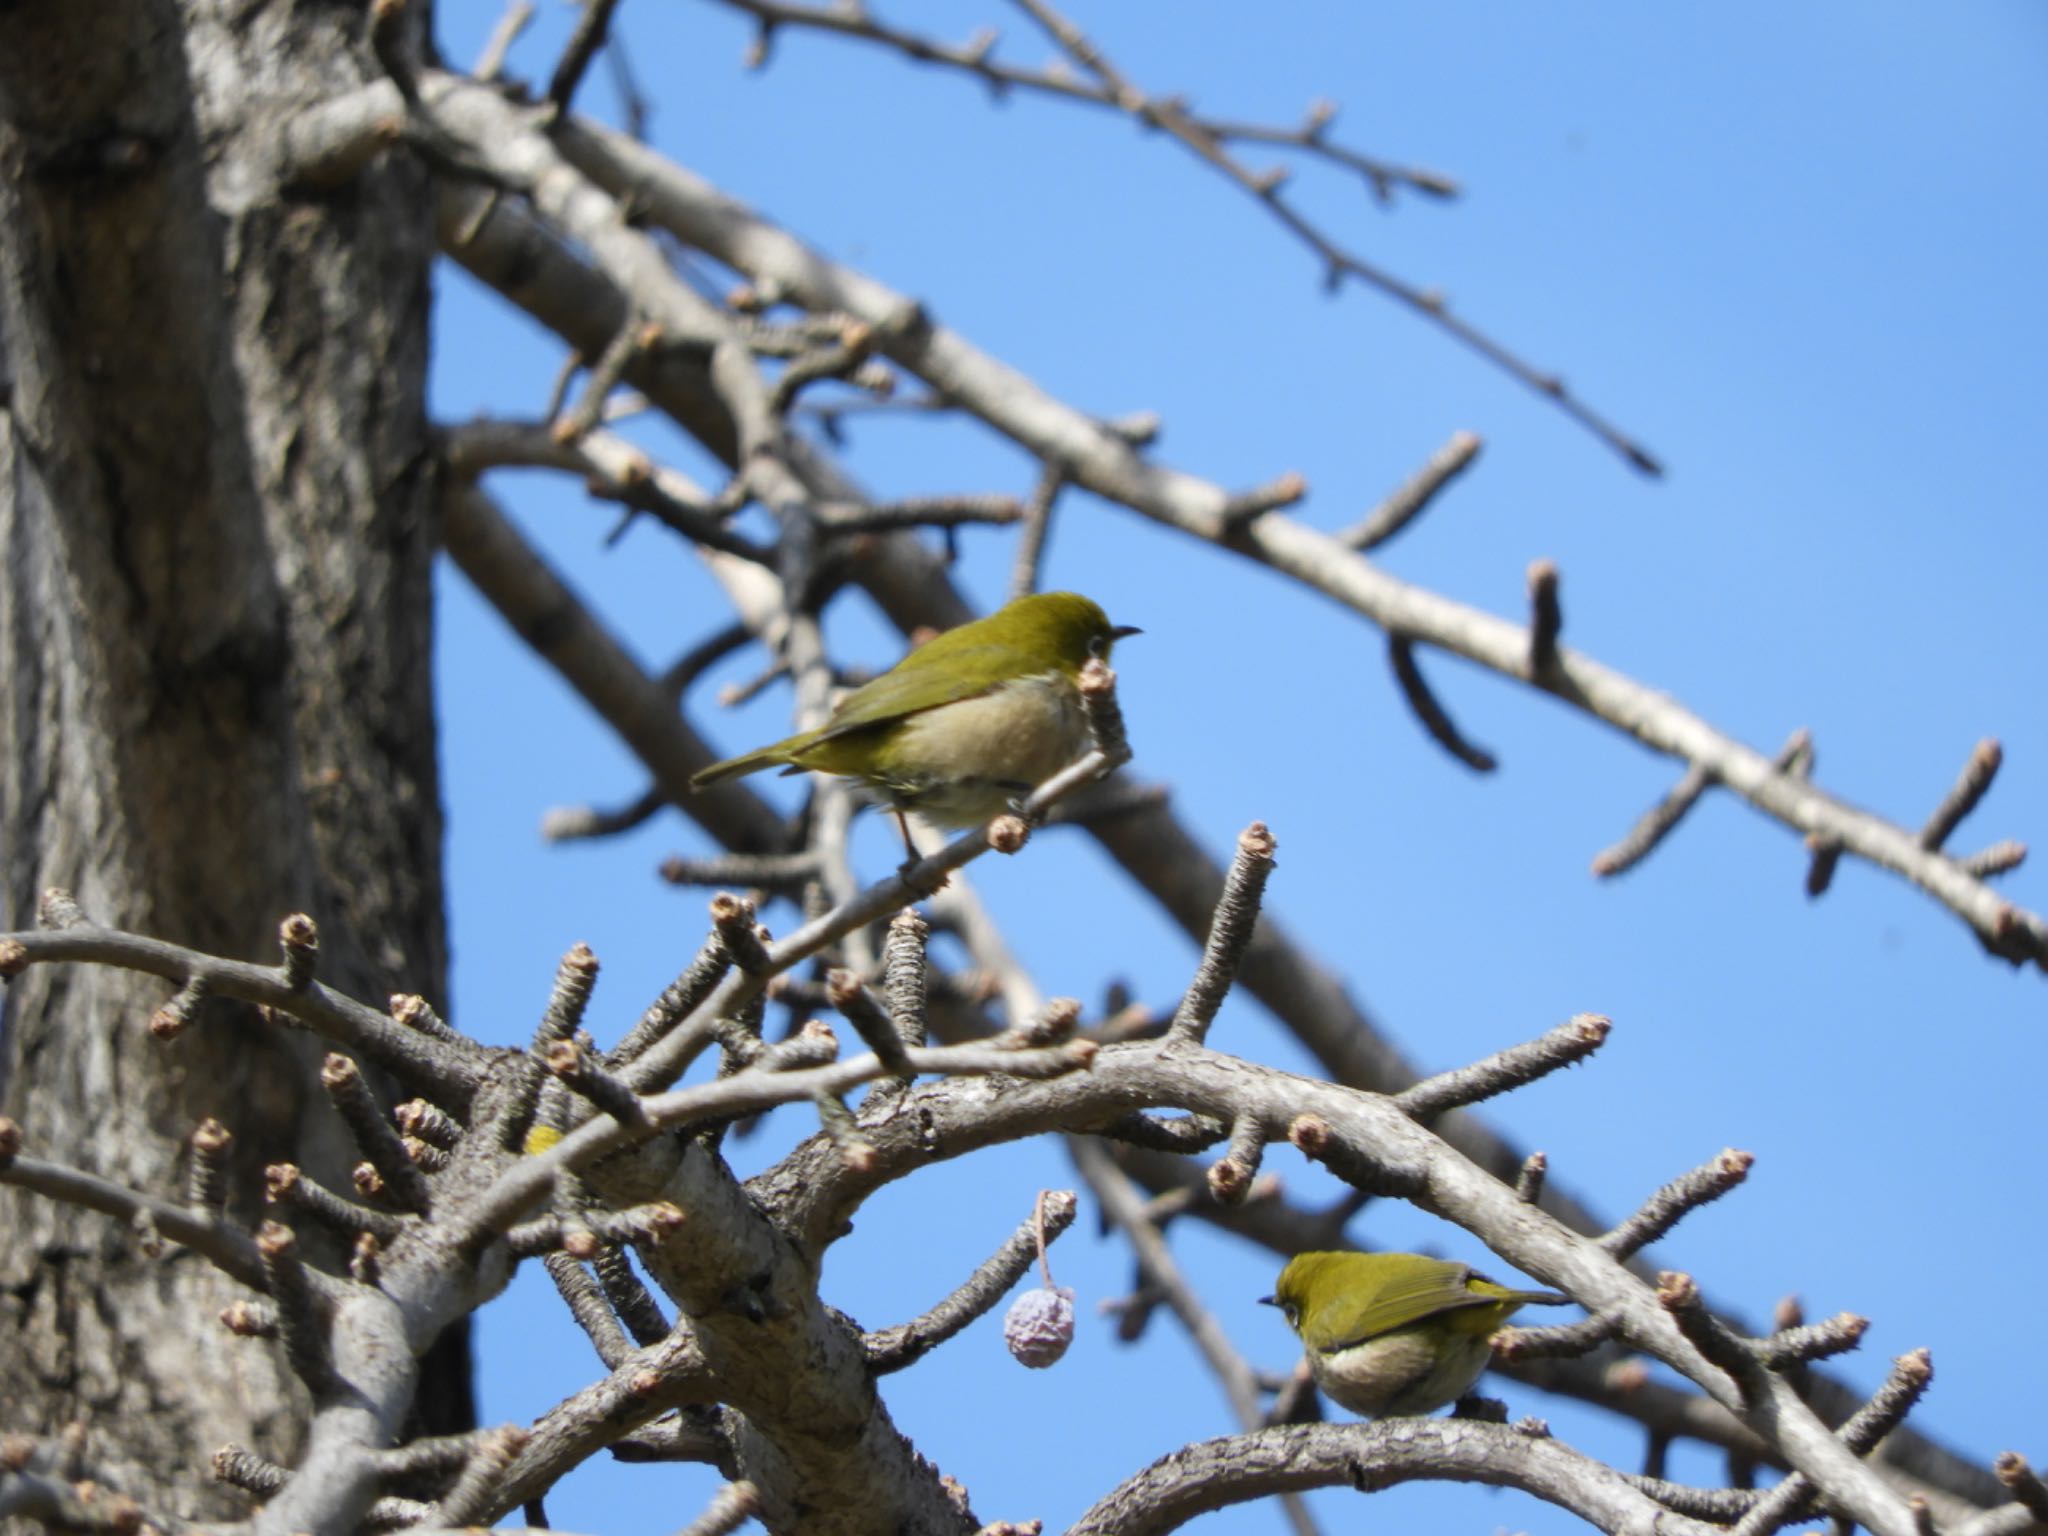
x=870, y=1019
x=1030, y=554
x=945, y=512
x=1546, y=619
x=678, y=1000
x=1962, y=798
x=373, y=1131
x=1231, y=1176
x=441, y=1069
x=633, y=339
x=782, y=873
x=1812, y=1341
x=730, y=1508
x=1564, y=1342
x=1434, y=717
x=587, y=1304
x=515, y=20
x=577, y=823
x=289, y=1185
x=1997, y=859
x=1655, y=824
x=1414, y=497
x=1230, y=934
x=891, y=1349
x=225, y=1246
x=612, y=468
x=1571, y=1042
x=588, y=37
x=291, y=1289
x=1208, y=141
x=1683, y=1195
x=206, y=1180
x=631, y=1300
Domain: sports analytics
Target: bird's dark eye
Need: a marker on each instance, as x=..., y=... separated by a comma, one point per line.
x=1097, y=644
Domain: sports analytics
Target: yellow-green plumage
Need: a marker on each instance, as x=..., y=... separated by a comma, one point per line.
x=967, y=722
x=1395, y=1333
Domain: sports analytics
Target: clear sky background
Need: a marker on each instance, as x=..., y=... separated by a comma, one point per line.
x=1795, y=250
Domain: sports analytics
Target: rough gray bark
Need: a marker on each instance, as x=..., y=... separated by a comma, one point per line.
x=215, y=533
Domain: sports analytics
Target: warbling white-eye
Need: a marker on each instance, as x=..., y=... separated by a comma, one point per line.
x=1394, y=1333
x=967, y=722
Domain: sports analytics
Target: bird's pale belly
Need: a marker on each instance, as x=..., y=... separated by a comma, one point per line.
x=962, y=763
x=1401, y=1372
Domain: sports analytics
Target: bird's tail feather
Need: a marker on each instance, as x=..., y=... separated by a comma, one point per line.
x=738, y=767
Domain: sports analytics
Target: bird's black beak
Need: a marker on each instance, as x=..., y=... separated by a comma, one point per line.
x=1125, y=631
x=1268, y=1301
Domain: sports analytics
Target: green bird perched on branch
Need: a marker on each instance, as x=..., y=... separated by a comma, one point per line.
x=1395, y=1333
x=966, y=723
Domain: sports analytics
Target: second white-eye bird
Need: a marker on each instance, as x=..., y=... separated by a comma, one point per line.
x=1395, y=1333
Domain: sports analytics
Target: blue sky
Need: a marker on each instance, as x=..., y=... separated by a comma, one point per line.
x=1796, y=252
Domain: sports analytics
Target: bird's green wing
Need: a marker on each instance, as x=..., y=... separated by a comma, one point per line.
x=958, y=672
x=1423, y=1291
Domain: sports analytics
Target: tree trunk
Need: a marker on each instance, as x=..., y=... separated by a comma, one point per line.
x=215, y=621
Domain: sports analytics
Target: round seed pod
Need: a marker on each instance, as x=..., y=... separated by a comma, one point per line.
x=1040, y=1325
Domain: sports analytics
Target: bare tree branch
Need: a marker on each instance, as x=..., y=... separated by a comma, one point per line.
x=1209, y=140
x=1107, y=465
x=1217, y=1473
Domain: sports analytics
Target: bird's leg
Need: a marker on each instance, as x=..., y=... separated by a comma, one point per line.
x=910, y=853
x=1484, y=1410
x=1020, y=795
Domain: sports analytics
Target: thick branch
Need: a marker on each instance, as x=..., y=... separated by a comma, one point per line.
x=227, y=1247
x=1215, y=1474
x=816, y=1196
x=437, y=1068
